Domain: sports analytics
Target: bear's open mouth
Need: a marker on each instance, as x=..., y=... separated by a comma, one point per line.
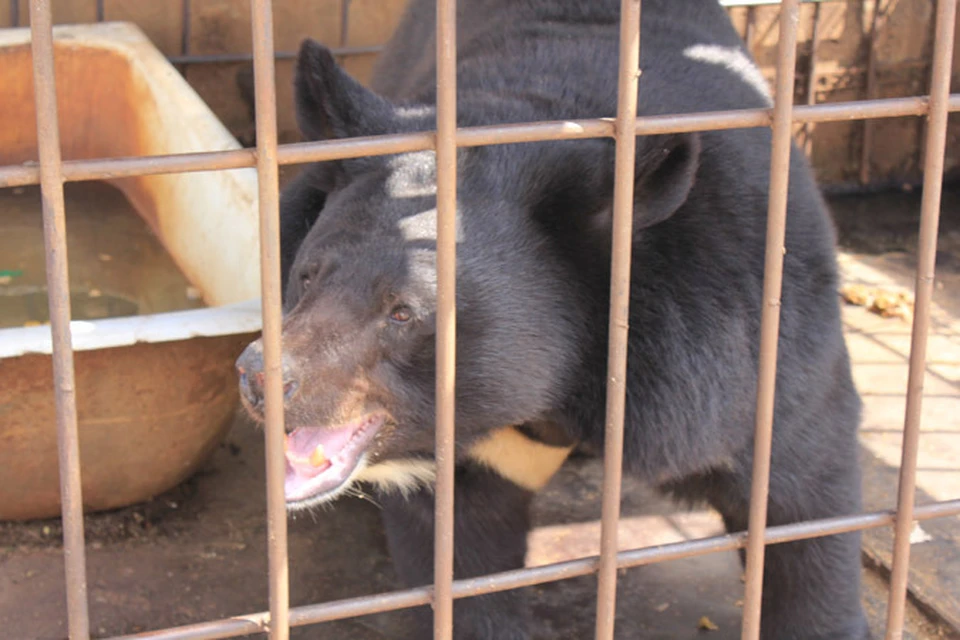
x=320, y=460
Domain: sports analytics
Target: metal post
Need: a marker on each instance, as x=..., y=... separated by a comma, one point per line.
x=55, y=245
x=926, y=263
x=267, y=178
x=866, y=148
x=626, y=148
x=446, y=315
x=812, y=80
x=770, y=319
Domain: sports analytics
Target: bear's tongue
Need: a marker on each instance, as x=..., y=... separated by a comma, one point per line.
x=319, y=460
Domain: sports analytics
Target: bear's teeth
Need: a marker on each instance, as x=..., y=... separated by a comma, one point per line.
x=318, y=458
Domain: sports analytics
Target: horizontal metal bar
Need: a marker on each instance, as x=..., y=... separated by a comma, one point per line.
x=209, y=58
x=763, y=3
x=297, y=153
x=516, y=579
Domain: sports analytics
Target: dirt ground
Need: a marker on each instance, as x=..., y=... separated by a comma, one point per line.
x=199, y=552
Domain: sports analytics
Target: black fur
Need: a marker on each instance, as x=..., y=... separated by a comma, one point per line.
x=491, y=520
x=533, y=288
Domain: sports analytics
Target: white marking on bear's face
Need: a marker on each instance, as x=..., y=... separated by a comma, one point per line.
x=423, y=226
x=412, y=175
x=735, y=61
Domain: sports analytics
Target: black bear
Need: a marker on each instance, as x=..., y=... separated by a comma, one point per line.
x=533, y=269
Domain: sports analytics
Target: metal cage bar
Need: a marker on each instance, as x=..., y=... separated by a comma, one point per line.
x=446, y=159
x=866, y=146
x=268, y=184
x=811, y=97
x=185, y=29
x=619, y=321
x=302, y=152
x=936, y=147
x=781, y=146
x=58, y=282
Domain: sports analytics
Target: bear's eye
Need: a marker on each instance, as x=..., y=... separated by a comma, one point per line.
x=401, y=314
x=305, y=278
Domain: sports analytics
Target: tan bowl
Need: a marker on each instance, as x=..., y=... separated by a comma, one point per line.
x=155, y=393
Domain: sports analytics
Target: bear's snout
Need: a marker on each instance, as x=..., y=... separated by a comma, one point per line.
x=250, y=370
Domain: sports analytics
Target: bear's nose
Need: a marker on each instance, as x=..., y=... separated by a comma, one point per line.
x=252, y=378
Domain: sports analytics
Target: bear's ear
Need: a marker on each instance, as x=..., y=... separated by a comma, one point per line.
x=301, y=202
x=571, y=183
x=666, y=168
x=330, y=103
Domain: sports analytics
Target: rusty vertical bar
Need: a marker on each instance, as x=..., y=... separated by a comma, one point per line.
x=770, y=318
x=866, y=148
x=446, y=315
x=619, y=321
x=928, y=81
x=344, y=26
x=58, y=283
x=751, y=28
x=185, y=27
x=344, y=21
x=101, y=11
x=812, y=79
x=926, y=264
x=265, y=96
x=14, y=13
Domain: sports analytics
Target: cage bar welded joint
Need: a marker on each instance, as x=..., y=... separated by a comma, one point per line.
x=52, y=172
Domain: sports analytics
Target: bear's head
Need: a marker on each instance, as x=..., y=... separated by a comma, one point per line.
x=360, y=286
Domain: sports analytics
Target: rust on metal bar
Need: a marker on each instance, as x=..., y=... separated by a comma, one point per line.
x=519, y=578
x=268, y=181
x=866, y=148
x=185, y=28
x=619, y=321
x=926, y=264
x=446, y=316
x=921, y=150
x=344, y=28
x=58, y=282
x=297, y=153
x=808, y=126
x=750, y=31
x=770, y=314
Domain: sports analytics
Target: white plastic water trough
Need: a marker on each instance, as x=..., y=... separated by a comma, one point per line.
x=155, y=393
